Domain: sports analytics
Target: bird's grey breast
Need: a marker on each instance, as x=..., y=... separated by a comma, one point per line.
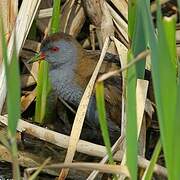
x=64, y=85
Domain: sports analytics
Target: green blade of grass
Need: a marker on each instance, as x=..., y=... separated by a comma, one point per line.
x=176, y=144
x=13, y=94
x=131, y=127
x=149, y=171
x=13, y=99
x=102, y=119
x=139, y=42
x=134, y=28
x=170, y=37
x=13, y=86
x=164, y=78
x=138, y=45
x=42, y=92
x=44, y=106
x=38, y=171
x=55, y=21
x=131, y=17
x=167, y=101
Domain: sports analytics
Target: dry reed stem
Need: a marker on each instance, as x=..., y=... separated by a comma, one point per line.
x=26, y=100
x=122, y=6
x=23, y=23
x=81, y=112
x=107, y=26
x=122, y=24
x=8, y=13
x=82, y=146
x=141, y=95
x=107, y=168
x=13, y=11
x=73, y=24
x=58, y=139
x=142, y=137
x=27, y=80
x=45, y=13
x=116, y=146
x=67, y=8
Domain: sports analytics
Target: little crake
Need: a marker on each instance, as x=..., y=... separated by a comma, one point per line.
x=70, y=70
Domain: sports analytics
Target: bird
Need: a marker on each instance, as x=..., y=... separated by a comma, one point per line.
x=70, y=69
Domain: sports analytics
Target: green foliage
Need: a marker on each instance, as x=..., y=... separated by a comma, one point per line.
x=166, y=85
x=55, y=21
x=138, y=41
x=131, y=17
x=103, y=121
x=42, y=92
x=44, y=108
x=131, y=127
x=149, y=171
x=13, y=98
x=102, y=118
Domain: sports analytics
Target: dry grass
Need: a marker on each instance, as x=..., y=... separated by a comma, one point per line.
x=110, y=23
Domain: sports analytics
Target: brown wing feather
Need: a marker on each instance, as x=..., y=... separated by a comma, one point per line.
x=113, y=92
x=87, y=63
x=113, y=96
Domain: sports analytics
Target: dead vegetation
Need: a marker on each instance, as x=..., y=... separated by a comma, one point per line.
x=91, y=22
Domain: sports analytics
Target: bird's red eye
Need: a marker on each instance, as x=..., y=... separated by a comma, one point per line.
x=42, y=55
x=54, y=49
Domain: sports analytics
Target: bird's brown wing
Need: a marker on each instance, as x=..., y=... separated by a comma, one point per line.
x=113, y=96
x=112, y=85
x=87, y=64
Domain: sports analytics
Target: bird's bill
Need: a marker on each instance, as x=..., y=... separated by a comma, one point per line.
x=38, y=57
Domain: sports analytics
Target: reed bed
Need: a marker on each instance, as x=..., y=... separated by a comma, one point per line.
x=145, y=36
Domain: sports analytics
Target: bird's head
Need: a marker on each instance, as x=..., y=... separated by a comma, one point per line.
x=58, y=49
